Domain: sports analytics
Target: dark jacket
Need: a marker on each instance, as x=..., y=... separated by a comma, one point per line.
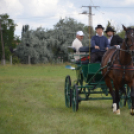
x=102, y=42
x=116, y=40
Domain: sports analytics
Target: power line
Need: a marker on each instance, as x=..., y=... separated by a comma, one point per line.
x=52, y=17
x=36, y=17
x=117, y=7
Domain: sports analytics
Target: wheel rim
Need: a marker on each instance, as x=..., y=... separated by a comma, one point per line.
x=67, y=91
x=126, y=98
x=75, y=98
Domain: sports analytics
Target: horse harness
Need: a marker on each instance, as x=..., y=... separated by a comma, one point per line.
x=119, y=66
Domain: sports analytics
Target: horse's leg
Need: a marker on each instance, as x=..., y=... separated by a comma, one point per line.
x=117, y=99
x=109, y=85
x=132, y=97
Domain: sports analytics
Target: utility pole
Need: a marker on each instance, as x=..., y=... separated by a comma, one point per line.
x=90, y=21
x=3, y=61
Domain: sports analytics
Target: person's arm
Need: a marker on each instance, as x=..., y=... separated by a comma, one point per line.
x=119, y=42
x=93, y=42
x=93, y=45
x=107, y=44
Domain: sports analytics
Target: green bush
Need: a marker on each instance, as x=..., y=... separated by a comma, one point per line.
x=15, y=60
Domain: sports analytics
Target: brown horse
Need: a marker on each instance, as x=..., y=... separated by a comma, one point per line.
x=120, y=69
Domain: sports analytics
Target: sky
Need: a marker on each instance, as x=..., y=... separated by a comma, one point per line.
x=46, y=13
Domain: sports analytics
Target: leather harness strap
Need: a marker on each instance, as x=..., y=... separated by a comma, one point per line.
x=121, y=67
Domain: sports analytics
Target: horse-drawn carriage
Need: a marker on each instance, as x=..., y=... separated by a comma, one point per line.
x=90, y=81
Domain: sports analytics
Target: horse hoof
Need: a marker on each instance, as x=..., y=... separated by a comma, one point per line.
x=117, y=112
x=132, y=111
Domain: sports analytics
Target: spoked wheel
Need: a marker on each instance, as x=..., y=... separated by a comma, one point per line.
x=80, y=83
x=129, y=100
x=126, y=98
x=68, y=91
x=75, y=98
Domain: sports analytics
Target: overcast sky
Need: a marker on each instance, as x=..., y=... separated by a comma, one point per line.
x=46, y=13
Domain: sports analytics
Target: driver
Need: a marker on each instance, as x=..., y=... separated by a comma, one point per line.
x=99, y=44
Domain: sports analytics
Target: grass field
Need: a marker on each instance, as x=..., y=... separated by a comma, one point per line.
x=32, y=102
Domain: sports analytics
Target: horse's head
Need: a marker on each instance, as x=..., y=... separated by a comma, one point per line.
x=129, y=40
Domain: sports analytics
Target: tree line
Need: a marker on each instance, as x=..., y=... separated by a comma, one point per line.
x=43, y=45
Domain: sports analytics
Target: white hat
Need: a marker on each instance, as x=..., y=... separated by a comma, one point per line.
x=80, y=33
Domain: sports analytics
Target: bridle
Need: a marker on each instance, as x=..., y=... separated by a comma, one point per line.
x=131, y=52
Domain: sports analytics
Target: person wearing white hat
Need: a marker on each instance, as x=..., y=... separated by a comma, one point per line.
x=77, y=43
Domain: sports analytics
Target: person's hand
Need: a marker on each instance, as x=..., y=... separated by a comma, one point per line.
x=117, y=46
x=97, y=47
x=106, y=48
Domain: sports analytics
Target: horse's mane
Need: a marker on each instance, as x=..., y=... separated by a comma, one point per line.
x=130, y=28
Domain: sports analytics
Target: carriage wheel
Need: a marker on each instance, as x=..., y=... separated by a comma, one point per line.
x=68, y=91
x=129, y=100
x=126, y=98
x=75, y=98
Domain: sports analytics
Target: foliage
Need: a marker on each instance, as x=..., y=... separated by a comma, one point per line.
x=109, y=25
x=44, y=45
x=122, y=33
x=92, y=31
x=8, y=28
x=15, y=60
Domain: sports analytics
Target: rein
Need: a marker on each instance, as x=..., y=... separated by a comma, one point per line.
x=124, y=68
x=121, y=67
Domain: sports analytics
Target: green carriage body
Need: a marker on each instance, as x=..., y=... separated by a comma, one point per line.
x=88, y=71
x=89, y=81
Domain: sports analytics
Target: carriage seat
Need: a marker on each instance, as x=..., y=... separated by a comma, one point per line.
x=81, y=49
x=84, y=49
x=83, y=60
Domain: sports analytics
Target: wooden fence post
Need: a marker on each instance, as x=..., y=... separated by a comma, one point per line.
x=29, y=59
x=11, y=60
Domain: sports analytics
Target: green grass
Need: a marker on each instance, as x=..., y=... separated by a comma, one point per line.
x=32, y=102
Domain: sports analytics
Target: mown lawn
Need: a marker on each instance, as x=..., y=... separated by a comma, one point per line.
x=32, y=102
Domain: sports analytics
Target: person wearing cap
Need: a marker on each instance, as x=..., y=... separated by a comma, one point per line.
x=77, y=43
x=113, y=40
x=99, y=44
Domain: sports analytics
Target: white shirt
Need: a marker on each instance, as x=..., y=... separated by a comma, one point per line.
x=109, y=39
x=77, y=44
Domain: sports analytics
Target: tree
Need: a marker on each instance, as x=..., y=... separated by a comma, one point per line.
x=122, y=33
x=8, y=28
x=91, y=28
x=110, y=25
x=47, y=45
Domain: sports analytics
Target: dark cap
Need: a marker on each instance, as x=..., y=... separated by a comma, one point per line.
x=99, y=26
x=109, y=29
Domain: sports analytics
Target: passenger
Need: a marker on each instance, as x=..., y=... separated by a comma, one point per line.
x=77, y=44
x=99, y=44
x=113, y=40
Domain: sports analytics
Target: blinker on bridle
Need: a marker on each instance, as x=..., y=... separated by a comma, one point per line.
x=132, y=40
